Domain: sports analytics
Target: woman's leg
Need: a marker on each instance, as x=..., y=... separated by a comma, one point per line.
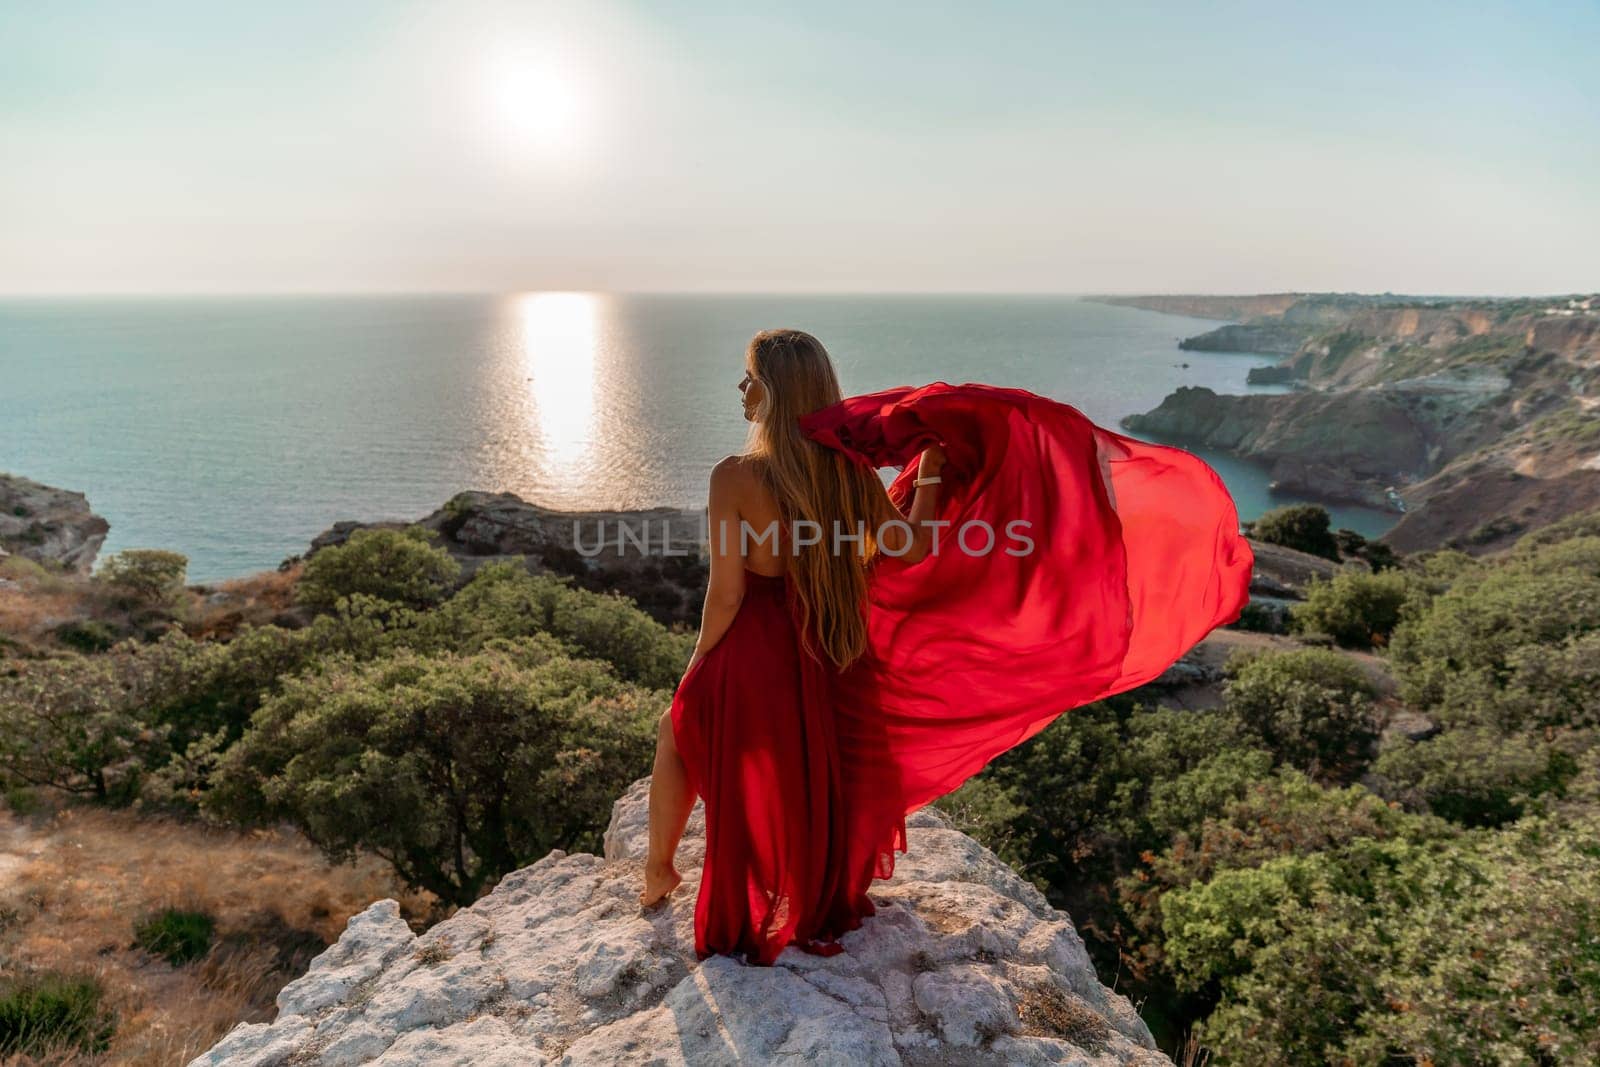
x=671, y=801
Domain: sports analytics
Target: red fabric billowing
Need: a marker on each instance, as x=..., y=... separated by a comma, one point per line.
x=1136, y=555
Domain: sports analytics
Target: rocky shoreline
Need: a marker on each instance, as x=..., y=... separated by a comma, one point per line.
x=49, y=526
x=1481, y=418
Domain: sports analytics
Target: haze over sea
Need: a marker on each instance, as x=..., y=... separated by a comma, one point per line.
x=234, y=429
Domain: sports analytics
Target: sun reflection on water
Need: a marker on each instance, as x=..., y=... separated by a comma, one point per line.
x=560, y=350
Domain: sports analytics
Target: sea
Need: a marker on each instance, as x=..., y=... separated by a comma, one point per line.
x=235, y=429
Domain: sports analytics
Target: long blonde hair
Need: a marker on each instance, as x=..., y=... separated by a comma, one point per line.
x=817, y=484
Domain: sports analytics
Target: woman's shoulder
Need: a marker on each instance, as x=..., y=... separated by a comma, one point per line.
x=743, y=479
x=738, y=470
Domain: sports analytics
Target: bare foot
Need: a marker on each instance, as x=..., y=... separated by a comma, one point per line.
x=658, y=882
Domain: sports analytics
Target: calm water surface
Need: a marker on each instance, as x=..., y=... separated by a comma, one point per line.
x=236, y=429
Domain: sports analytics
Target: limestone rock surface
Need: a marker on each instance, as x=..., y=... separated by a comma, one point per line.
x=965, y=963
x=48, y=525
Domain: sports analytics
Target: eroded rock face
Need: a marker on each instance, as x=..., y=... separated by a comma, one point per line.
x=965, y=963
x=49, y=525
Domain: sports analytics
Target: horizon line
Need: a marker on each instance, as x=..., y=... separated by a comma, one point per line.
x=176, y=294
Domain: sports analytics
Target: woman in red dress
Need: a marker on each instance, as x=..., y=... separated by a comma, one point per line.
x=864, y=650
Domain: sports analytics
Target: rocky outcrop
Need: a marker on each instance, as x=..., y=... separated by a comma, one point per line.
x=48, y=525
x=1266, y=338
x=965, y=963
x=1327, y=446
x=1276, y=374
x=654, y=556
x=476, y=525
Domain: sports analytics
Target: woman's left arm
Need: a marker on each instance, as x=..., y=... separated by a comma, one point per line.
x=725, y=589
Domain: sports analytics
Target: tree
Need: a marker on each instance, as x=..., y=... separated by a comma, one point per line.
x=1303, y=527
x=399, y=566
x=456, y=769
x=150, y=574
x=505, y=600
x=1312, y=708
x=1358, y=609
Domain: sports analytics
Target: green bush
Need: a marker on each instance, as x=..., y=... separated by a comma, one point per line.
x=45, y=1013
x=1460, y=653
x=989, y=812
x=504, y=600
x=1475, y=949
x=455, y=769
x=398, y=566
x=1357, y=608
x=1303, y=527
x=21, y=800
x=1354, y=546
x=176, y=935
x=1473, y=775
x=77, y=724
x=1552, y=685
x=87, y=635
x=150, y=574
x=1258, y=821
x=1312, y=708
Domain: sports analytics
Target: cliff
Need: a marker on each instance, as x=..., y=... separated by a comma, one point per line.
x=1200, y=306
x=1484, y=416
x=964, y=963
x=48, y=525
x=1266, y=338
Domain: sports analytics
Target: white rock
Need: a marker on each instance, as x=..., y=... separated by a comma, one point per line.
x=965, y=962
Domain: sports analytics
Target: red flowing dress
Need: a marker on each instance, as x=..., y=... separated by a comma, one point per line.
x=1077, y=563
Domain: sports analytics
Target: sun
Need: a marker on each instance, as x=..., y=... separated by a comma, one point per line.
x=535, y=106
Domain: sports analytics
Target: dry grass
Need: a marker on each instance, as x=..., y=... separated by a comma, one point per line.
x=73, y=883
x=272, y=589
x=36, y=601
x=255, y=600
x=1047, y=1011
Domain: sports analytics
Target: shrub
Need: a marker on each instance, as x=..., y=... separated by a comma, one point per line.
x=1552, y=685
x=1358, y=609
x=504, y=600
x=397, y=566
x=1303, y=527
x=1312, y=708
x=1578, y=524
x=1100, y=785
x=1462, y=651
x=76, y=723
x=1472, y=775
x=1286, y=814
x=176, y=935
x=21, y=800
x=455, y=769
x=1353, y=545
x=87, y=635
x=150, y=574
x=1476, y=949
x=43, y=1013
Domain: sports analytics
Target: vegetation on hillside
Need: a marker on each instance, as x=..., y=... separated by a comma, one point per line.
x=1271, y=881
x=1270, y=878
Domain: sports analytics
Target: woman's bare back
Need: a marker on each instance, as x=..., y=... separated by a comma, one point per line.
x=761, y=521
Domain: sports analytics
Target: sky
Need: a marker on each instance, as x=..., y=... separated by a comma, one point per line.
x=486, y=145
